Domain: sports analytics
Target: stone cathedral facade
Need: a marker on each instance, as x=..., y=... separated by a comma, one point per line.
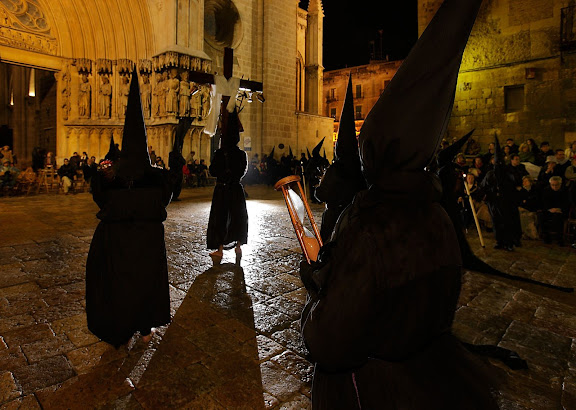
x=518, y=72
x=65, y=69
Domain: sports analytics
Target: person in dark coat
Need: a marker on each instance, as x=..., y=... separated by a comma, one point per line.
x=502, y=201
x=228, y=222
x=555, y=207
x=517, y=170
x=175, y=159
x=382, y=296
x=343, y=178
x=126, y=271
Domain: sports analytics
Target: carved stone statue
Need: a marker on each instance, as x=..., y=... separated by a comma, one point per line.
x=146, y=94
x=159, y=100
x=173, y=89
x=85, y=97
x=184, y=97
x=206, y=101
x=195, y=100
x=104, y=97
x=165, y=88
x=123, y=93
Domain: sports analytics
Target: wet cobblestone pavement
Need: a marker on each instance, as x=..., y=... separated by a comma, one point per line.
x=234, y=339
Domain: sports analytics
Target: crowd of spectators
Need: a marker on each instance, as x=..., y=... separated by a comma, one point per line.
x=545, y=182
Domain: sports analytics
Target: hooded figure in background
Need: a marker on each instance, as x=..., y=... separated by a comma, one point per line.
x=175, y=159
x=126, y=271
x=382, y=296
x=113, y=153
x=228, y=223
x=502, y=200
x=315, y=169
x=343, y=178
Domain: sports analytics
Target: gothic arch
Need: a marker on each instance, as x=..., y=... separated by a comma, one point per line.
x=89, y=29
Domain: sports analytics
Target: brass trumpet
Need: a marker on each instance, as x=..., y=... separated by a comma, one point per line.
x=310, y=242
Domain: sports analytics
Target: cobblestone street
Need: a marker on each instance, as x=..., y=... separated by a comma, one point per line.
x=234, y=340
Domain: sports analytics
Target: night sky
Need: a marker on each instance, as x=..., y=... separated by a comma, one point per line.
x=350, y=26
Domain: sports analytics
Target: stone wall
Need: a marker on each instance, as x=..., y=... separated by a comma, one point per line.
x=311, y=129
x=515, y=43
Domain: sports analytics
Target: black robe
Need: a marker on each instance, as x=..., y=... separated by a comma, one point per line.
x=228, y=223
x=175, y=162
x=378, y=319
x=126, y=271
x=502, y=200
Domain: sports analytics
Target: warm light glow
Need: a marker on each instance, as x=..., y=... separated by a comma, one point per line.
x=32, y=86
x=12, y=97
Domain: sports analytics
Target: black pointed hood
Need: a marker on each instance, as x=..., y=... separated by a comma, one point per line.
x=316, y=150
x=346, y=150
x=231, y=135
x=403, y=130
x=447, y=154
x=113, y=151
x=498, y=156
x=134, y=160
x=271, y=155
x=308, y=152
x=324, y=155
x=290, y=154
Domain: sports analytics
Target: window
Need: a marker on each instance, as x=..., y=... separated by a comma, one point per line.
x=333, y=113
x=358, y=91
x=514, y=98
x=333, y=93
x=358, y=112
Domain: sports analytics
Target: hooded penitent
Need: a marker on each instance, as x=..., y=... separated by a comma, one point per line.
x=231, y=132
x=175, y=159
x=113, y=153
x=403, y=130
x=316, y=150
x=343, y=178
x=134, y=159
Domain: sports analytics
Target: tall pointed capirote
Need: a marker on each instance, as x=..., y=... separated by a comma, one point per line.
x=134, y=158
x=308, y=153
x=346, y=150
x=271, y=155
x=404, y=128
x=290, y=154
x=231, y=132
x=113, y=151
x=447, y=154
x=316, y=150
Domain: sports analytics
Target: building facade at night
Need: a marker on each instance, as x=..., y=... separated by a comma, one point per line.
x=65, y=67
x=368, y=82
x=518, y=73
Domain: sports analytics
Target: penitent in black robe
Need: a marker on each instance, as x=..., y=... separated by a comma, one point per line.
x=382, y=300
x=228, y=222
x=126, y=271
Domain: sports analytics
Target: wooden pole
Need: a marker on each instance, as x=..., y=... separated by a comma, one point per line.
x=474, y=213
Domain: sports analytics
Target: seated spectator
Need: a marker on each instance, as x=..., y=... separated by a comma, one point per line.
x=555, y=206
x=517, y=170
x=8, y=174
x=202, y=172
x=461, y=163
x=507, y=154
x=487, y=157
x=529, y=204
x=562, y=162
x=513, y=146
x=160, y=162
x=84, y=160
x=89, y=169
x=548, y=171
x=67, y=173
x=543, y=153
x=480, y=167
x=75, y=161
x=525, y=153
x=570, y=152
x=533, y=147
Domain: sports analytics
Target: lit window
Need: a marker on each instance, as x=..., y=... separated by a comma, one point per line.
x=358, y=91
x=358, y=112
x=333, y=113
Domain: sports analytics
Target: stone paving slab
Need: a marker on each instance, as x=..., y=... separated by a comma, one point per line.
x=234, y=340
